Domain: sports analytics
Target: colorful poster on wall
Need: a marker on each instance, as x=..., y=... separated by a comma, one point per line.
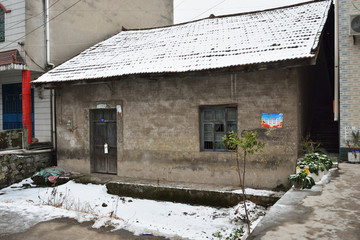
x=272, y=120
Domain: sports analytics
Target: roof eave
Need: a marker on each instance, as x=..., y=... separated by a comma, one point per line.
x=13, y=66
x=290, y=63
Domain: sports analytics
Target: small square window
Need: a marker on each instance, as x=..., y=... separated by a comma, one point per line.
x=215, y=123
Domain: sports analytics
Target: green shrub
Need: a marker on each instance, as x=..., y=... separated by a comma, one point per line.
x=301, y=180
x=316, y=162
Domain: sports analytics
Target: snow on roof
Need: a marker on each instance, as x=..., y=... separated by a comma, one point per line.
x=234, y=40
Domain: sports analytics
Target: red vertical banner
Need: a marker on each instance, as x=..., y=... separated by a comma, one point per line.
x=26, y=102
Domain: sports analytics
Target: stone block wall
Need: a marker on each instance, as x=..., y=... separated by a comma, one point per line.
x=158, y=132
x=16, y=166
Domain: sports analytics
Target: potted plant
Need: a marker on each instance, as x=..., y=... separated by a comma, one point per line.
x=354, y=147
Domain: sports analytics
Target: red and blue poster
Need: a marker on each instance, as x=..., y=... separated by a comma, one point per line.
x=272, y=120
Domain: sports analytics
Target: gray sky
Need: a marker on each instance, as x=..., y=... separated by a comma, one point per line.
x=188, y=10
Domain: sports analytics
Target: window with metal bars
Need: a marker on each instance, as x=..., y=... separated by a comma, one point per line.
x=215, y=123
x=2, y=25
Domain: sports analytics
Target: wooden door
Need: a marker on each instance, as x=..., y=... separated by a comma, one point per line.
x=104, y=141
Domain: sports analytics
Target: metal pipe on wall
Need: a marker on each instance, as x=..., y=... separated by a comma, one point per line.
x=47, y=35
x=336, y=64
x=50, y=65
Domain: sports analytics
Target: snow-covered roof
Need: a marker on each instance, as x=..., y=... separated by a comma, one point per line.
x=244, y=39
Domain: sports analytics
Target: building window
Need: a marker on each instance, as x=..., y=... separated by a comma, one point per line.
x=2, y=25
x=215, y=123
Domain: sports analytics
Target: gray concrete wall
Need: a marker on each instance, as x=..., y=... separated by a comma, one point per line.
x=158, y=131
x=16, y=166
x=75, y=27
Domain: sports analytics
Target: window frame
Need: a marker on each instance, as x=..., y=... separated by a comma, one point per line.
x=223, y=126
x=2, y=24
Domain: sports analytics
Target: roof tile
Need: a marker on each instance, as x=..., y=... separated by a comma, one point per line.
x=243, y=39
x=10, y=56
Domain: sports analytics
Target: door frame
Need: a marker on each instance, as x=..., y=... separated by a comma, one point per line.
x=92, y=143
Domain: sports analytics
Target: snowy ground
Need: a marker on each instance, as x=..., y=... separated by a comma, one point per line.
x=91, y=203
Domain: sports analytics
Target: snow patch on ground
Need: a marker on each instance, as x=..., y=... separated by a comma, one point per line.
x=92, y=203
x=257, y=192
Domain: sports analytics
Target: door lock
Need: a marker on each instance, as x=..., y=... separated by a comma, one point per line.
x=106, y=148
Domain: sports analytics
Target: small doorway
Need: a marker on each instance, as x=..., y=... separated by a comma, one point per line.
x=104, y=141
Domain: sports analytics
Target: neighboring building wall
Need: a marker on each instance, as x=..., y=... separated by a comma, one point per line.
x=349, y=68
x=76, y=28
x=42, y=114
x=158, y=131
x=14, y=24
x=42, y=102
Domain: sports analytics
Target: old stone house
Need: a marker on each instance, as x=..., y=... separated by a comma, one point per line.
x=154, y=104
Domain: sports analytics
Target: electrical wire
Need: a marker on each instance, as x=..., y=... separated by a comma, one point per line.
x=179, y=4
x=77, y=3
x=208, y=10
x=27, y=54
x=41, y=25
x=355, y=6
x=24, y=21
x=165, y=33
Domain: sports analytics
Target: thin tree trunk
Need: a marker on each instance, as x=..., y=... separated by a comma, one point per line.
x=244, y=195
x=238, y=166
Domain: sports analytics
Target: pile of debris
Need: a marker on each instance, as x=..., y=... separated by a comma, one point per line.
x=51, y=176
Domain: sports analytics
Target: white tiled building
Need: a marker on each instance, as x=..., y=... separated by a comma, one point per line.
x=349, y=73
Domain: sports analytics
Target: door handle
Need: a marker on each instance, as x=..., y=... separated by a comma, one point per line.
x=106, y=148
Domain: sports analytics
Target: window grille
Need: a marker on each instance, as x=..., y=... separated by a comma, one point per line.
x=2, y=25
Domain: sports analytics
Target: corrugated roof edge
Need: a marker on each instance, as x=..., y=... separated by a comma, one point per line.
x=316, y=44
x=226, y=15
x=290, y=63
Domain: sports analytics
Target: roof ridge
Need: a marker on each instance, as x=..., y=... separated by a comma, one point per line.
x=212, y=16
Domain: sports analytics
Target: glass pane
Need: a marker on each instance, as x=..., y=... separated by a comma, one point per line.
x=219, y=127
x=208, y=127
x=219, y=136
x=219, y=114
x=106, y=115
x=231, y=127
x=219, y=145
x=208, y=136
x=98, y=115
x=208, y=115
x=208, y=145
x=231, y=114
